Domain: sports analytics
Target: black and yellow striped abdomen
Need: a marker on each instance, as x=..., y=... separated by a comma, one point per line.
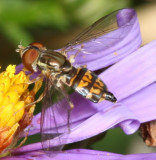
x=87, y=83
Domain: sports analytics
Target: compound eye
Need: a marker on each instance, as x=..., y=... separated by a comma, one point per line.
x=29, y=57
x=36, y=44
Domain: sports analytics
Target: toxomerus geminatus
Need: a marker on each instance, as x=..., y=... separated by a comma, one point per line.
x=59, y=69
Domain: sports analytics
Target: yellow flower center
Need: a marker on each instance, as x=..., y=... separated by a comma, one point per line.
x=15, y=105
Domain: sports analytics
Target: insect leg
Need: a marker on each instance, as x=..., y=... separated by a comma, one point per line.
x=23, y=141
x=72, y=57
x=38, y=100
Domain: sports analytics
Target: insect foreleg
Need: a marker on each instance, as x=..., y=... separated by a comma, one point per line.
x=40, y=77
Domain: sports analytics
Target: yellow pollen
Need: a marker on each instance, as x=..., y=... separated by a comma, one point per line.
x=115, y=53
x=10, y=71
x=15, y=104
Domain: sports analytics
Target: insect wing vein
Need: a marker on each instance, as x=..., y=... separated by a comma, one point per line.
x=54, y=118
x=98, y=37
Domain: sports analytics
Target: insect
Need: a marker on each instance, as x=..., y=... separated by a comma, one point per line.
x=59, y=68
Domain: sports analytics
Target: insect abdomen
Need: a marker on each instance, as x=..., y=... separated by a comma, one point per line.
x=86, y=83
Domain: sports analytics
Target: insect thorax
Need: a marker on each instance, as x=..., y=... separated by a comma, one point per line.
x=54, y=62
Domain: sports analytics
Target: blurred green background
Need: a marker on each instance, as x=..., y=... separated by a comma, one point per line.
x=54, y=23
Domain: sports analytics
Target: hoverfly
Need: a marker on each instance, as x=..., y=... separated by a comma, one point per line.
x=59, y=69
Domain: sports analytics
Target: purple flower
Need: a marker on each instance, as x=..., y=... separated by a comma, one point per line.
x=77, y=154
x=130, y=78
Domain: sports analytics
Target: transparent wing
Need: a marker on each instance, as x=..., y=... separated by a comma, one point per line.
x=54, y=118
x=104, y=33
x=104, y=25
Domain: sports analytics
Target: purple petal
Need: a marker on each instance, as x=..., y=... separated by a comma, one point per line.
x=77, y=154
x=132, y=73
x=33, y=76
x=19, y=68
x=101, y=122
x=125, y=72
x=133, y=97
x=111, y=47
x=131, y=19
x=143, y=103
x=131, y=81
x=137, y=101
